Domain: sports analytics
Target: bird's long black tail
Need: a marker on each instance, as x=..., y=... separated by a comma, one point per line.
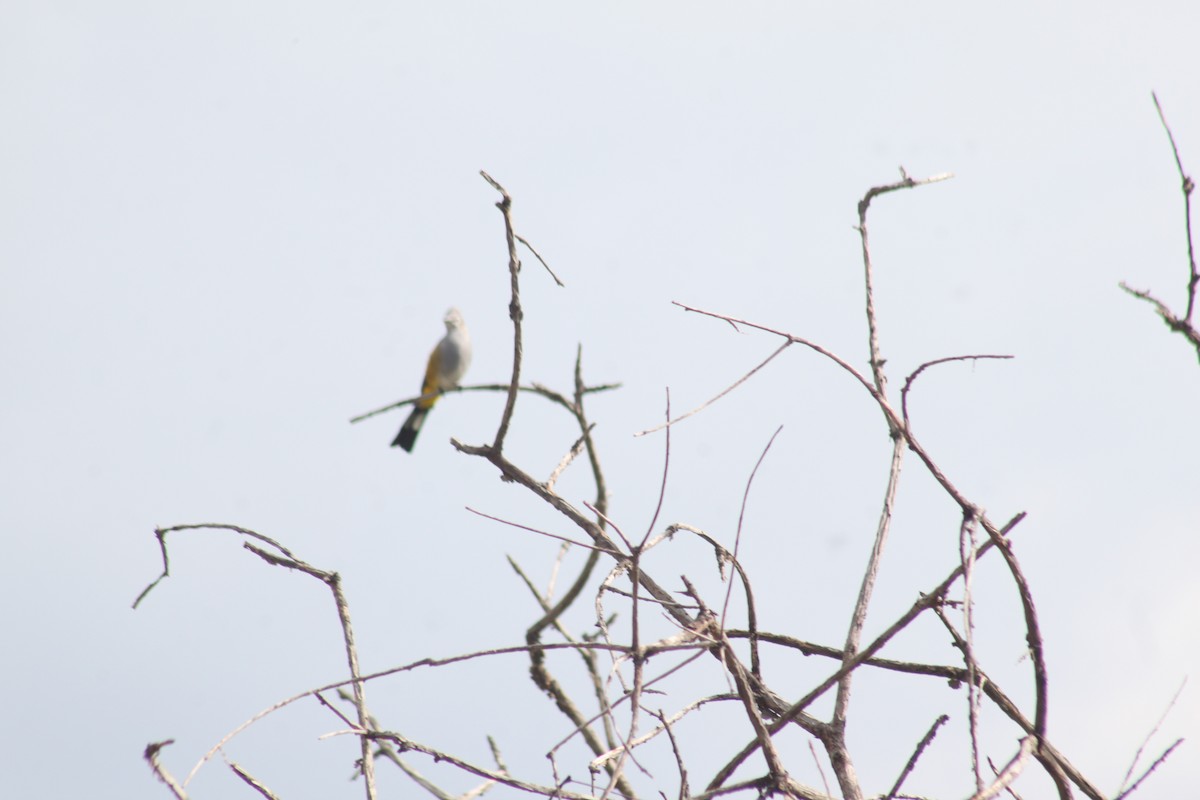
x=407, y=436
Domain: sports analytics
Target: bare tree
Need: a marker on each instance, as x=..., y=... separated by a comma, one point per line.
x=671, y=632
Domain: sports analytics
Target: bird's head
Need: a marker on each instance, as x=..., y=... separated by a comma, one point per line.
x=454, y=320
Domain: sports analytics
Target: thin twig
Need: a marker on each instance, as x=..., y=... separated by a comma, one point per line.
x=684, y=790
x=724, y=392
x=737, y=538
x=1157, y=762
x=1010, y=771
x=792, y=339
x=820, y=769
x=161, y=535
x=908, y=382
x=538, y=256
x=912, y=761
x=1142, y=747
x=570, y=456
x=344, y=695
x=613, y=752
x=662, y=488
x=539, y=532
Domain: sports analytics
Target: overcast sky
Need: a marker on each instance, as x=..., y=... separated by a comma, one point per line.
x=226, y=228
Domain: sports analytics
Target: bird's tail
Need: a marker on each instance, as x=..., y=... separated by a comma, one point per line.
x=407, y=436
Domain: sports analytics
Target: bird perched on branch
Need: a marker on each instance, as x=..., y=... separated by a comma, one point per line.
x=447, y=363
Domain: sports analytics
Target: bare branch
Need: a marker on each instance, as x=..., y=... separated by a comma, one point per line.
x=858, y=617
x=1176, y=324
x=820, y=770
x=544, y=680
x=1142, y=747
x=1179, y=324
x=868, y=269
x=386, y=750
x=488, y=387
x=334, y=582
x=724, y=392
x=662, y=489
x=841, y=362
x=571, y=455
x=1157, y=762
x=684, y=790
x=724, y=556
x=161, y=535
x=908, y=382
x=1033, y=633
x=538, y=256
x=251, y=781
x=344, y=695
x=967, y=544
x=514, y=311
x=547, y=534
x=655, y=732
x=996, y=772
x=737, y=538
x=1010, y=771
x=1187, y=185
x=502, y=778
x=912, y=761
x=160, y=772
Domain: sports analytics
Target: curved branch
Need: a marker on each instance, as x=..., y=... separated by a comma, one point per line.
x=514, y=311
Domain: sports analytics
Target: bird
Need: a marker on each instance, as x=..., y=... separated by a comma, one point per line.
x=447, y=363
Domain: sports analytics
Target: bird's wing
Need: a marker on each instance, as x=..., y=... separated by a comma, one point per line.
x=429, y=387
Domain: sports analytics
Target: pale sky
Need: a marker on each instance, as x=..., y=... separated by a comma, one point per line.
x=226, y=228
